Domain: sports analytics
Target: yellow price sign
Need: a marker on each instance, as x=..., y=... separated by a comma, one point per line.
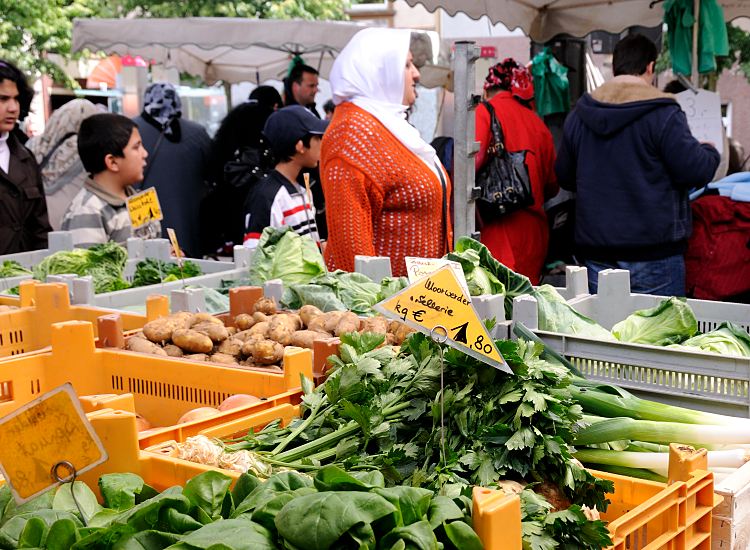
x=438, y=306
x=43, y=434
x=144, y=207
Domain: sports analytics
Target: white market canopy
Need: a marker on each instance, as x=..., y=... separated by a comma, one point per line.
x=219, y=48
x=541, y=20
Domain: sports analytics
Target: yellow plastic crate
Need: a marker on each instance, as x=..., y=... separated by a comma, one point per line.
x=162, y=389
x=28, y=328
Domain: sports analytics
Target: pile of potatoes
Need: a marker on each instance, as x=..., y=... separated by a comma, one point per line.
x=257, y=339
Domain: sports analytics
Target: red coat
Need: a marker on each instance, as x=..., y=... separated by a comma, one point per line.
x=520, y=239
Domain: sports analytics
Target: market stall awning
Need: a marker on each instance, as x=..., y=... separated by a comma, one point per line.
x=218, y=48
x=543, y=19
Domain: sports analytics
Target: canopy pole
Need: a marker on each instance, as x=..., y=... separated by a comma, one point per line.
x=464, y=144
x=695, y=77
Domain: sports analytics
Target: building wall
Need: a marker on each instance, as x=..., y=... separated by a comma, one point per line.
x=735, y=87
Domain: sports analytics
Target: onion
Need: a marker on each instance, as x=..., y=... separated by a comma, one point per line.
x=238, y=400
x=141, y=423
x=197, y=414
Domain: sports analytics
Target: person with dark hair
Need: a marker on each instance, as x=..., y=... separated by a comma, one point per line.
x=301, y=87
x=278, y=200
x=241, y=157
x=628, y=153
x=519, y=239
x=267, y=96
x=112, y=153
x=328, y=108
x=23, y=210
x=180, y=164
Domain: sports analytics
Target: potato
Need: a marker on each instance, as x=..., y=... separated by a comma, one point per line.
x=217, y=332
x=232, y=331
x=318, y=325
x=192, y=341
x=308, y=313
x=400, y=334
x=223, y=359
x=244, y=321
x=331, y=319
x=247, y=346
x=266, y=352
x=173, y=351
x=281, y=334
x=378, y=325
x=349, y=322
x=231, y=346
x=259, y=317
x=242, y=335
x=265, y=305
x=196, y=357
x=141, y=345
x=306, y=338
x=204, y=318
x=197, y=414
x=260, y=328
x=160, y=330
x=238, y=400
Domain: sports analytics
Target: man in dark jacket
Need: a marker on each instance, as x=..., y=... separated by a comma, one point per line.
x=628, y=153
x=301, y=87
x=23, y=209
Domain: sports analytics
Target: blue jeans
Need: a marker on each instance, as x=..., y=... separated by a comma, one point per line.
x=665, y=277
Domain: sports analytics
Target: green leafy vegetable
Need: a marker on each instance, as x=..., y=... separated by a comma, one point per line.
x=152, y=271
x=727, y=339
x=11, y=268
x=283, y=254
x=670, y=322
x=556, y=315
x=339, y=290
x=104, y=262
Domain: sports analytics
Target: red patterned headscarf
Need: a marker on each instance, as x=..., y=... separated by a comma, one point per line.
x=509, y=75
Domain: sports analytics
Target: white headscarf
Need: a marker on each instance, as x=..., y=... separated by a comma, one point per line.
x=369, y=72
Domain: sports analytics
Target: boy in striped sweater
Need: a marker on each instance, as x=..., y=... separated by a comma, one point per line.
x=112, y=153
x=277, y=200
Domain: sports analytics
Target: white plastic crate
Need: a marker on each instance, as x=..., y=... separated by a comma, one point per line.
x=700, y=380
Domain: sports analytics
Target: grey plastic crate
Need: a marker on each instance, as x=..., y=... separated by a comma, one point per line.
x=700, y=380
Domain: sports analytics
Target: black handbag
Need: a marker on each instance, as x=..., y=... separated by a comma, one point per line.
x=504, y=178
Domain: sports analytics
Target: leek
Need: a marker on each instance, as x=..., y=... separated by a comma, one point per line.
x=614, y=429
x=657, y=461
x=630, y=472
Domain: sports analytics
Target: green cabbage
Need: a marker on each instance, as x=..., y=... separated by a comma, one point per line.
x=339, y=290
x=11, y=268
x=556, y=315
x=104, y=262
x=670, y=322
x=283, y=254
x=727, y=339
x=152, y=271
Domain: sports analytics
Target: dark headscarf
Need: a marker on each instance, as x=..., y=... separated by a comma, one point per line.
x=267, y=96
x=509, y=75
x=162, y=107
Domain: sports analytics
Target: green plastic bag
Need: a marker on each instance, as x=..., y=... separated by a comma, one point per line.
x=551, y=86
x=713, y=40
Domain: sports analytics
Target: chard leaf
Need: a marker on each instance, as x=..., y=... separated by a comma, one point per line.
x=412, y=503
x=462, y=536
x=231, y=534
x=120, y=490
x=208, y=492
x=417, y=536
x=333, y=478
x=86, y=499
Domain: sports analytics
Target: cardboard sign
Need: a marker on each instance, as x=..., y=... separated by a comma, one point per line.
x=703, y=111
x=144, y=208
x=416, y=268
x=41, y=434
x=175, y=245
x=437, y=306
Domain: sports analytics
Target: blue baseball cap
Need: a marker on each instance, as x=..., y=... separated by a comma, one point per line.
x=285, y=127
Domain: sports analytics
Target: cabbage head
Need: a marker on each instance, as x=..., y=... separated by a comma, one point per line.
x=670, y=322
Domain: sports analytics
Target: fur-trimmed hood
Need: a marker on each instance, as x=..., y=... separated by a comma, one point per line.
x=620, y=102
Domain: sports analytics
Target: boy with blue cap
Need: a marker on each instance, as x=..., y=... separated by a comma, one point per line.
x=277, y=200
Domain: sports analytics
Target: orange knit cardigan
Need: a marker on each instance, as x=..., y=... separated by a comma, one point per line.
x=381, y=199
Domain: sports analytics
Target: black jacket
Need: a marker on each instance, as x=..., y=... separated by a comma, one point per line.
x=23, y=208
x=628, y=153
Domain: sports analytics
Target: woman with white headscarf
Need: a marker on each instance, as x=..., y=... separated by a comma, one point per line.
x=386, y=192
x=56, y=152
x=178, y=165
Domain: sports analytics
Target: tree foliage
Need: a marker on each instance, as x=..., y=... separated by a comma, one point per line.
x=31, y=28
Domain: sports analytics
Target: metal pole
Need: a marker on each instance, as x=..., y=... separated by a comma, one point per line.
x=694, y=76
x=464, y=145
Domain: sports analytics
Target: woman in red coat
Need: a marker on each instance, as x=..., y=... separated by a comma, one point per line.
x=518, y=240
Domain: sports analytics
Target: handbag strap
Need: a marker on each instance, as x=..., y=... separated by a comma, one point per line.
x=152, y=158
x=497, y=128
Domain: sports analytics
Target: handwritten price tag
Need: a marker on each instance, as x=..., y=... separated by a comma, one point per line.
x=438, y=306
x=703, y=112
x=144, y=207
x=40, y=435
x=416, y=268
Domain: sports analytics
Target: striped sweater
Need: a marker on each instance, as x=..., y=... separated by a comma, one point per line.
x=277, y=202
x=97, y=216
x=381, y=199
